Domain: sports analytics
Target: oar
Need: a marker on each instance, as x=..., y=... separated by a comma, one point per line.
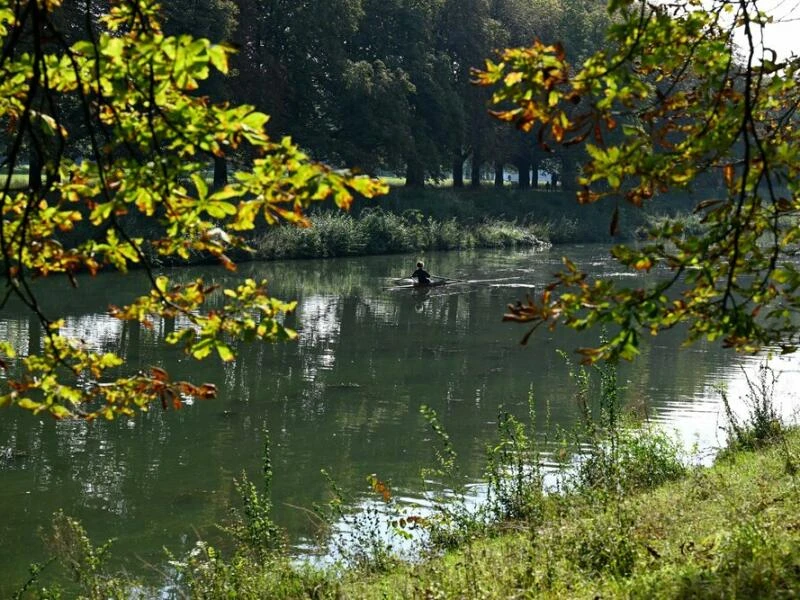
x=496, y=279
x=401, y=286
x=449, y=278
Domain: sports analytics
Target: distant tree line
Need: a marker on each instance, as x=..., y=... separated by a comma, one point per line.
x=382, y=85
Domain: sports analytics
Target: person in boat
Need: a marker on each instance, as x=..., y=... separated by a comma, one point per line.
x=421, y=275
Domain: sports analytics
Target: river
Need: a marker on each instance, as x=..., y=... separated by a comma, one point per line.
x=346, y=398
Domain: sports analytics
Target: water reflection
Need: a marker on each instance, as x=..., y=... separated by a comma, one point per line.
x=344, y=397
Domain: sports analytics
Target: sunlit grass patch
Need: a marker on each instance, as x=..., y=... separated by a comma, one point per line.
x=18, y=180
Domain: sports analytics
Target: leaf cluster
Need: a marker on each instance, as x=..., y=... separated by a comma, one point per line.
x=146, y=135
x=669, y=103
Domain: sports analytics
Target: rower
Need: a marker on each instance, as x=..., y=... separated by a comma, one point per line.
x=421, y=275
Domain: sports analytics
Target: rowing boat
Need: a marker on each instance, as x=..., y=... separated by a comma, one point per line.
x=421, y=288
x=413, y=284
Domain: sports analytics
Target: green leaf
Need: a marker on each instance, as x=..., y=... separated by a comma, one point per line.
x=224, y=351
x=200, y=186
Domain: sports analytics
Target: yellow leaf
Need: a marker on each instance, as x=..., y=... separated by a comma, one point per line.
x=513, y=78
x=727, y=172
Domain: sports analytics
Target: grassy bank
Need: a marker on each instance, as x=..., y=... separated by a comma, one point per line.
x=434, y=218
x=557, y=212
x=633, y=518
x=376, y=231
x=626, y=516
x=414, y=220
x=731, y=531
x=411, y=220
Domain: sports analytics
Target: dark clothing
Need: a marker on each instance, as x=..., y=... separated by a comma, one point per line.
x=422, y=277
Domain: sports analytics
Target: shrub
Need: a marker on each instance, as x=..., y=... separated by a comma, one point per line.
x=360, y=538
x=453, y=523
x=632, y=459
x=376, y=231
x=763, y=424
x=619, y=454
x=87, y=564
x=516, y=481
x=252, y=526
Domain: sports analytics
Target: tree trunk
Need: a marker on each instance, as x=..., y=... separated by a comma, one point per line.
x=415, y=174
x=220, y=172
x=569, y=174
x=498, y=174
x=535, y=171
x=475, y=171
x=34, y=335
x=458, y=172
x=524, y=168
x=169, y=326
x=35, y=170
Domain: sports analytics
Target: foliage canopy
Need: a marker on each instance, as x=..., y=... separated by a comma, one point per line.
x=683, y=91
x=116, y=133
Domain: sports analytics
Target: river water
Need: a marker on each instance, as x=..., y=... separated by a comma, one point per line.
x=345, y=398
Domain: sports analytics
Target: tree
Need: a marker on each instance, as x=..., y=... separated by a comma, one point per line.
x=680, y=91
x=149, y=134
x=578, y=25
x=398, y=79
x=519, y=22
x=374, y=121
x=291, y=64
x=470, y=33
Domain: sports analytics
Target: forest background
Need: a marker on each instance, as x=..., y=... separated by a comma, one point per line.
x=383, y=87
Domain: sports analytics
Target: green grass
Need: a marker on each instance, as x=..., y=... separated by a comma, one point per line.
x=376, y=231
x=18, y=180
x=558, y=212
x=731, y=531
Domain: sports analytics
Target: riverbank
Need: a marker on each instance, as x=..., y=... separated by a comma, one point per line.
x=444, y=218
x=557, y=214
x=435, y=219
x=430, y=219
x=377, y=231
x=729, y=531
x=631, y=521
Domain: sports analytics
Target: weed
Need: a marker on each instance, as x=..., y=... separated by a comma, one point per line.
x=252, y=526
x=453, y=523
x=376, y=231
x=205, y=573
x=362, y=538
x=618, y=454
x=86, y=563
x=603, y=544
x=35, y=572
x=763, y=424
x=516, y=481
x=557, y=213
x=631, y=459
